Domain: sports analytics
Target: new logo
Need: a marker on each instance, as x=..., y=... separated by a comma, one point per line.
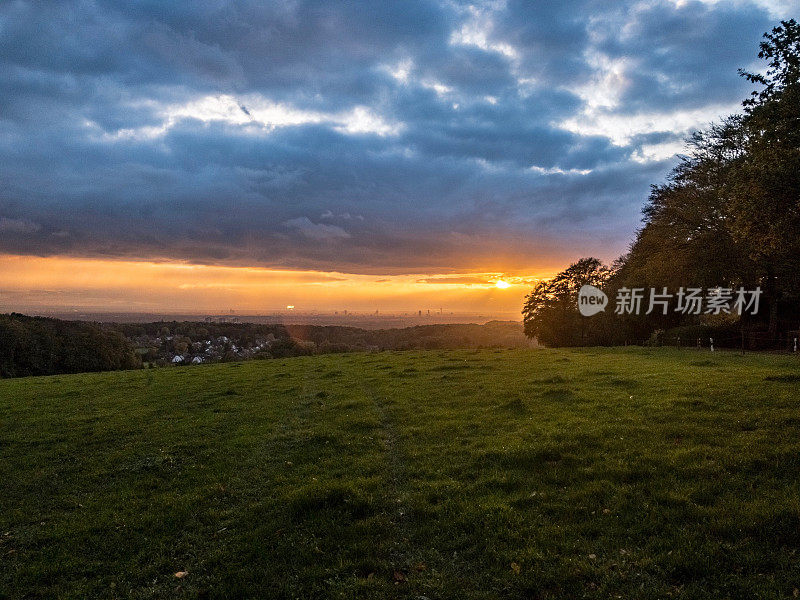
x=591, y=300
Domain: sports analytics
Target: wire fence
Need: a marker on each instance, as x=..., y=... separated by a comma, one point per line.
x=747, y=341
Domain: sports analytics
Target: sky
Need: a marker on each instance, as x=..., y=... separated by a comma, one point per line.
x=371, y=155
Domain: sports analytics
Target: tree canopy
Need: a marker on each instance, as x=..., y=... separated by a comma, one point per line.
x=727, y=215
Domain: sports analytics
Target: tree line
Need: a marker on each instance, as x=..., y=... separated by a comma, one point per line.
x=47, y=346
x=727, y=217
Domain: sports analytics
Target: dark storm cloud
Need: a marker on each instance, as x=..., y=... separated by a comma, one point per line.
x=365, y=137
x=551, y=36
x=688, y=55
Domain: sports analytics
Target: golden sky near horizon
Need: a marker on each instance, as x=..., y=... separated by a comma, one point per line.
x=35, y=283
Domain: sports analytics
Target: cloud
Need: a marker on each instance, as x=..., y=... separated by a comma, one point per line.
x=464, y=280
x=316, y=231
x=22, y=226
x=397, y=138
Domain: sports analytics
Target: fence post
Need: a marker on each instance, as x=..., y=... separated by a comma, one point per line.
x=698, y=343
x=711, y=343
x=679, y=342
x=795, y=344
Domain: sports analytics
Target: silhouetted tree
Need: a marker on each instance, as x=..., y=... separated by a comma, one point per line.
x=550, y=313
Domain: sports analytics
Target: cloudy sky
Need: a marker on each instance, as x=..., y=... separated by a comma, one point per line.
x=348, y=143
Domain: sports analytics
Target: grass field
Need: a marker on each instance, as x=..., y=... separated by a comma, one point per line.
x=637, y=473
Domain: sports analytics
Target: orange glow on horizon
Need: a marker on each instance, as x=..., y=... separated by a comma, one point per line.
x=30, y=283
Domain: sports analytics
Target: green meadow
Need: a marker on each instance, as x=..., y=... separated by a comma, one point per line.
x=591, y=473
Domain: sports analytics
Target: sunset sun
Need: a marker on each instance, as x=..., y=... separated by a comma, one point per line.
x=502, y=284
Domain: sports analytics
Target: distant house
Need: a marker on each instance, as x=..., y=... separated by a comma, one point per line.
x=177, y=359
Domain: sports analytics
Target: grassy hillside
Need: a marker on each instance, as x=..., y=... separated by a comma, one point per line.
x=464, y=474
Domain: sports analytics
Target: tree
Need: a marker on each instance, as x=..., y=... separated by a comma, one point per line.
x=764, y=188
x=686, y=240
x=43, y=346
x=550, y=313
x=729, y=213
